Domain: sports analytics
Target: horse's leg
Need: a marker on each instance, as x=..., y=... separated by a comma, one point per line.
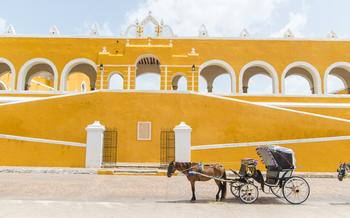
x=193, y=190
x=218, y=183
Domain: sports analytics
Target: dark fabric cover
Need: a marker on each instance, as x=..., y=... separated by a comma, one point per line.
x=284, y=159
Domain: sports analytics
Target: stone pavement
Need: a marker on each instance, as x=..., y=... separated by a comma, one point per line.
x=90, y=195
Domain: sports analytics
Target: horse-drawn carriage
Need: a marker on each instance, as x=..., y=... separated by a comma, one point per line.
x=280, y=164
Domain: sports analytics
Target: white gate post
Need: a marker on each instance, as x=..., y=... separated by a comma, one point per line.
x=94, y=145
x=183, y=142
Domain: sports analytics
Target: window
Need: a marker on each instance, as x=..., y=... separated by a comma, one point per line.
x=144, y=131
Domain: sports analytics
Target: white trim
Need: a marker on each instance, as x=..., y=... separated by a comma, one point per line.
x=223, y=64
x=279, y=142
x=306, y=105
x=70, y=65
x=39, y=140
x=3, y=85
x=129, y=79
x=309, y=68
x=343, y=65
x=13, y=72
x=28, y=65
x=41, y=84
x=267, y=67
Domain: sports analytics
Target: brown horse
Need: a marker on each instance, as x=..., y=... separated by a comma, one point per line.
x=212, y=170
x=342, y=170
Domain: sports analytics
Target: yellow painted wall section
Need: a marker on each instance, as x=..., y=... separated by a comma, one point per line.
x=213, y=120
x=335, y=112
x=237, y=53
x=24, y=153
x=310, y=157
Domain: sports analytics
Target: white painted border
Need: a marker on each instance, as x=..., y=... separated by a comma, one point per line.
x=70, y=65
x=343, y=65
x=3, y=85
x=39, y=140
x=266, y=66
x=223, y=64
x=306, y=105
x=309, y=68
x=13, y=72
x=279, y=142
x=28, y=65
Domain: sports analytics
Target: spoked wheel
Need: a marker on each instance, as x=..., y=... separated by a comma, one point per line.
x=234, y=187
x=248, y=193
x=296, y=190
x=277, y=191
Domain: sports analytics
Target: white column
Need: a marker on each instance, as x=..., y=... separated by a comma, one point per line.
x=129, y=73
x=183, y=142
x=94, y=145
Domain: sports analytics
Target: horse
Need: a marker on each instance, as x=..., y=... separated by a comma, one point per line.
x=211, y=171
x=342, y=170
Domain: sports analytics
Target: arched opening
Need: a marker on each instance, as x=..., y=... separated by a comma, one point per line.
x=147, y=73
x=297, y=85
x=38, y=74
x=116, y=82
x=259, y=84
x=216, y=78
x=301, y=79
x=7, y=74
x=337, y=79
x=258, y=77
x=76, y=72
x=179, y=83
x=78, y=82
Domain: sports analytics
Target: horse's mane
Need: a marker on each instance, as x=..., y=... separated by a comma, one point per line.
x=183, y=165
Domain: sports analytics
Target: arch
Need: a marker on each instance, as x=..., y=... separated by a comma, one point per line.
x=225, y=66
x=268, y=68
x=175, y=81
x=2, y=86
x=346, y=81
x=31, y=63
x=70, y=66
x=315, y=81
x=111, y=75
x=12, y=72
x=147, y=65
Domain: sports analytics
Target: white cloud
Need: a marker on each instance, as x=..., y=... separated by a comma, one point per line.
x=3, y=25
x=104, y=29
x=296, y=23
x=221, y=17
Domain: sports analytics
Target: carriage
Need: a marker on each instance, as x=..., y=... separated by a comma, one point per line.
x=280, y=164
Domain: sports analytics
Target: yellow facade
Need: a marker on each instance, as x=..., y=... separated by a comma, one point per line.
x=53, y=72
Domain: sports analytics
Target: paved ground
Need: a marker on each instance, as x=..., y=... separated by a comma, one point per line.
x=51, y=195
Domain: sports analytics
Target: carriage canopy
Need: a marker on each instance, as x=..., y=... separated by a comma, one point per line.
x=276, y=157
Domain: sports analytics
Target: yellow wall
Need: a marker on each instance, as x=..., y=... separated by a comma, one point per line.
x=237, y=53
x=213, y=120
x=310, y=157
x=24, y=153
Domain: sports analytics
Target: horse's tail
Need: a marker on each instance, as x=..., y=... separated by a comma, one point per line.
x=224, y=185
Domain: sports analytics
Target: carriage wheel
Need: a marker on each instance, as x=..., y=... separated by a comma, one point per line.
x=234, y=187
x=248, y=193
x=296, y=190
x=277, y=191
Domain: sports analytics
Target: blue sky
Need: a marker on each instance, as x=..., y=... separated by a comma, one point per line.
x=262, y=19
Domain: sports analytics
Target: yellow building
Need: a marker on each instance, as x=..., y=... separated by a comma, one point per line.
x=54, y=86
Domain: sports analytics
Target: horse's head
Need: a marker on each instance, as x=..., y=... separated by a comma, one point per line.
x=171, y=169
x=341, y=171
